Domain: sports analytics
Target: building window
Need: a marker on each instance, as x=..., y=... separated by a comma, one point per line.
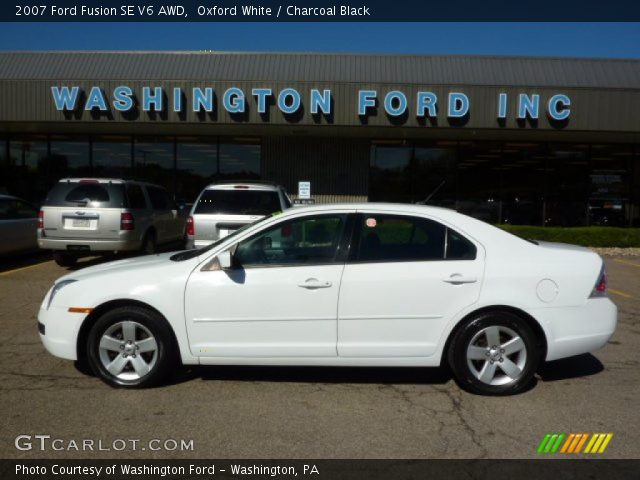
x=390, y=174
x=523, y=183
x=479, y=173
x=609, y=199
x=111, y=156
x=568, y=185
x=201, y=161
x=70, y=157
x=154, y=160
x=28, y=175
x=240, y=161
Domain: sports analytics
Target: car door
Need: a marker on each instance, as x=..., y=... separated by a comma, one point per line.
x=162, y=215
x=406, y=277
x=281, y=298
x=18, y=226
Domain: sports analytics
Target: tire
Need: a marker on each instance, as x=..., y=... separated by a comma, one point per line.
x=140, y=349
x=478, y=367
x=149, y=243
x=64, y=259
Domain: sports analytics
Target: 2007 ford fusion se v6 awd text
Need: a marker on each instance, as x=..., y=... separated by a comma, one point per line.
x=339, y=285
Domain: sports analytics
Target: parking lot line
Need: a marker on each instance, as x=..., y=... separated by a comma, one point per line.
x=8, y=272
x=625, y=262
x=619, y=293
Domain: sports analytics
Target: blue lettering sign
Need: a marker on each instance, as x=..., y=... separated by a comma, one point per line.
x=426, y=102
x=202, y=100
x=177, y=99
x=233, y=100
x=458, y=105
x=320, y=101
x=122, y=99
x=261, y=94
x=502, y=105
x=95, y=100
x=528, y=106
x=154, y=99
x=400, y=99
x=366, y=99
x=65, y=98
x=293, y=105
x=558, y=107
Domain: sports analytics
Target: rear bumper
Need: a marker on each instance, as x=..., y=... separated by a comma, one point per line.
x=85, y=246
x=197, y=243
x=576, y=330
x=61, y=330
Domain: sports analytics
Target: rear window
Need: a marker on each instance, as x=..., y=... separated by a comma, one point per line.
x=238, y=202
x=86, y=194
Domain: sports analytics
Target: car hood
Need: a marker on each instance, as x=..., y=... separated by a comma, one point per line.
x=128, y=264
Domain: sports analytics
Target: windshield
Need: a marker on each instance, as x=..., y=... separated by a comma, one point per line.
x=189, y=254
x=238, y=202
x=67, y=194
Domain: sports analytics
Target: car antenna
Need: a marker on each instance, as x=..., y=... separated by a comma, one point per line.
x=435, y=190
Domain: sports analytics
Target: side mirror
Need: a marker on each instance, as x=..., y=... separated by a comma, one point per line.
x=225, y=259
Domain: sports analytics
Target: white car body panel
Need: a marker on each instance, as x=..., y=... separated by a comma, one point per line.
x=374, y=314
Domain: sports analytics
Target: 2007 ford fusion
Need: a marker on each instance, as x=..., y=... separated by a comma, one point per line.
x=339, y=285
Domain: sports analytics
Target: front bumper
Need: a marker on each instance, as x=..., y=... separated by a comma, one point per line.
x=61, y=329
x=576, y=330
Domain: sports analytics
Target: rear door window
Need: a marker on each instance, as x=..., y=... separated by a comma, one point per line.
x=388, y=238
x=238, y=202
x=75, y=194
x=13, y=209
x=135, y=195
x=160, y=199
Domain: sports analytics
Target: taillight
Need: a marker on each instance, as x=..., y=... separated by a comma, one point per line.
x=126, y=221
x=600, y=288
x=191, y=228
x=41, y=219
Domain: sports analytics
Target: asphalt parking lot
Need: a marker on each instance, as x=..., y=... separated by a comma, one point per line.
x=311, y=412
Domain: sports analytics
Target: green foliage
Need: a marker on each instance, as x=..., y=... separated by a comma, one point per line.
x=586, y=236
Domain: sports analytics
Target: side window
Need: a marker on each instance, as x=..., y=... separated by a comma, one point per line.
x=11, y=209
x=159, y=198
x=302, y=241
x=4, y=208
x=385, y=238
x=25, y=210
x=458, y=247
x=136, y=197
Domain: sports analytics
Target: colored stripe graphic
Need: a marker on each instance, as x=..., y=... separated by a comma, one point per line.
x=573, y=443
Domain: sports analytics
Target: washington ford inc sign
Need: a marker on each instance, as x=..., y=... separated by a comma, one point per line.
x=289, y=101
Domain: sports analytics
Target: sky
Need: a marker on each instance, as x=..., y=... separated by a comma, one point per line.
x=612, y=40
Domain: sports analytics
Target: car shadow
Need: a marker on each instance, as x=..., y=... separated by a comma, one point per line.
x=22, y=260
x=347, y=375
x=573, y=367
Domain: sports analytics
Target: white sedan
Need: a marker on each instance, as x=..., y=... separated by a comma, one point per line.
x=339, y=285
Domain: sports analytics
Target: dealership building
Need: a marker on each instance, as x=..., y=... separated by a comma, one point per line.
x=537, y=141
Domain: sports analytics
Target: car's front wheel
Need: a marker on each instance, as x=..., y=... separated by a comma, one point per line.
x=494, y=353
x=131, y=347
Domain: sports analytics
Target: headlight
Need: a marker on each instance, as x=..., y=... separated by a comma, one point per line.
x=56, y=288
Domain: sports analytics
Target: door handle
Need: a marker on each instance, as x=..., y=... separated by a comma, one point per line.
x=459, y=279
x=314, y=283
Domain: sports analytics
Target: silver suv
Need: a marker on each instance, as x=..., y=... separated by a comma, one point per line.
x=225, y=207
x=83, y=217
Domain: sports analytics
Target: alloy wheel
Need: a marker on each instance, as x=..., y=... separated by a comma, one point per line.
x=497, y=355
x=128, y=350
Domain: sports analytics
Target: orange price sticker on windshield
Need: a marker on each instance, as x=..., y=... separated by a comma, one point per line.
x=371, y=222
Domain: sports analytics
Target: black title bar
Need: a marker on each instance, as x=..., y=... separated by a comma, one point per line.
x=317, y=11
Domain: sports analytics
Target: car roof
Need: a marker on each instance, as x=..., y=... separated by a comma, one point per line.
x=10, y=197
x=106, y=180
x=250, y=186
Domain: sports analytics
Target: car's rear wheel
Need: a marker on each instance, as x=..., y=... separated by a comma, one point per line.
x=131, y=347
x=149, y=244
x=64, y=259
x=494, y=353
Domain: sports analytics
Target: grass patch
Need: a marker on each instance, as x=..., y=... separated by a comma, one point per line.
x=586, y=236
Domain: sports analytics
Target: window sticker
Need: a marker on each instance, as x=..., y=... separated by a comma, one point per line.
x=371, y=222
